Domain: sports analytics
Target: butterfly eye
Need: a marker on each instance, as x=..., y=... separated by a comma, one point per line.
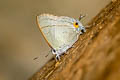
x=75, y=25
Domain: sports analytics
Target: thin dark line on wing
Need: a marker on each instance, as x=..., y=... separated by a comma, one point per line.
x=55, y=25
x=59, y=19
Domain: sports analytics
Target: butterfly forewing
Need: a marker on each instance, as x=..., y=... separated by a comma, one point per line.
x=57, y=31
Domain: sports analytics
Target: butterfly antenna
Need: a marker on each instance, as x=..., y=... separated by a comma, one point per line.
x=35, y=58
x=48, y=54
x=45, y=56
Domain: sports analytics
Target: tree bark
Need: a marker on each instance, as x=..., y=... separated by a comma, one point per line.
x=95, y=56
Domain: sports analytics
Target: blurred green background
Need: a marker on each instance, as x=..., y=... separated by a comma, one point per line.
x=20, y=38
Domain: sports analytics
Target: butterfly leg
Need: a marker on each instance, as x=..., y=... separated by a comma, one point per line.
x=57, y=57
x=78, y=36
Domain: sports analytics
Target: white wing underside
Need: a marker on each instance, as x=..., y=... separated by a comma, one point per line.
x=58, y=32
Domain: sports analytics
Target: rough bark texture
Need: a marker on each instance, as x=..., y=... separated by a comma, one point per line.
x=95, y=55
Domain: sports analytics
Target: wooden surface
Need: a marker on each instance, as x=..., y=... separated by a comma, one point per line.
x=95, y=56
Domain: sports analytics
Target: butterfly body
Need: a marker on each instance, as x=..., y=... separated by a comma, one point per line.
x=60, y=32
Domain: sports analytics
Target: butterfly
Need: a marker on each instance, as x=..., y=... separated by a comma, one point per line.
x=60, y=32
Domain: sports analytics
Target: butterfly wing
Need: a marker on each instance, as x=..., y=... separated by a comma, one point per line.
x=58, y=31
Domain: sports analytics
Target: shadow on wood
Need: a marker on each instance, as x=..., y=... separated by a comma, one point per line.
x=96, y=54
